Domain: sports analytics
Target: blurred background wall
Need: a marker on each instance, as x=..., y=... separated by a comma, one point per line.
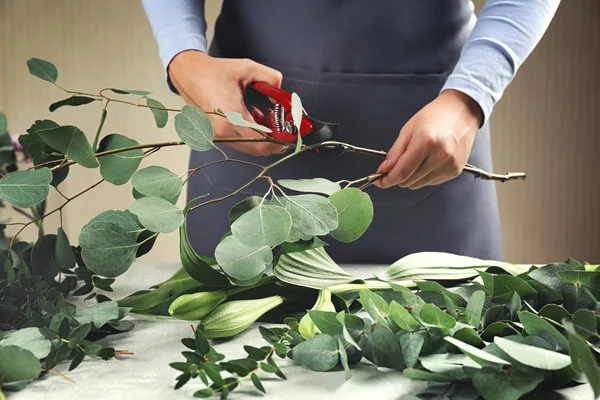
x=545, y=125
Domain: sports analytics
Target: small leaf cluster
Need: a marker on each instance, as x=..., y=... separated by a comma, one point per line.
x=222, y=376
x=499, y=336
x=39, y=327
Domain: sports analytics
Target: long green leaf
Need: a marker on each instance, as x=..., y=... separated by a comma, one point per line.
x=312, y=268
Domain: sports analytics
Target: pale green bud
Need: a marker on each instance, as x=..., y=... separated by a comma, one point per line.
x=196, y=306
x=307, y=327
x=233, y=317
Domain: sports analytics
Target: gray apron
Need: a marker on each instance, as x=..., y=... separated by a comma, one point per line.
x=369, y=66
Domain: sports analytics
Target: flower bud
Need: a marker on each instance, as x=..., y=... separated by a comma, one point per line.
x=307, y=327
x=196, y=306
x=233, y=317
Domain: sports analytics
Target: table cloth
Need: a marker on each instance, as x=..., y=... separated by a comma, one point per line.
x=156, y=342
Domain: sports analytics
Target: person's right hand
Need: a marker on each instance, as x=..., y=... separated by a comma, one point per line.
x=210, y=83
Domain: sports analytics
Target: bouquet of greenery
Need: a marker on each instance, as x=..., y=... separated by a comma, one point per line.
x=473, y=328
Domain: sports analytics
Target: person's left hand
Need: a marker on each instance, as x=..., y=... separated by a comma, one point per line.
x=434, y=145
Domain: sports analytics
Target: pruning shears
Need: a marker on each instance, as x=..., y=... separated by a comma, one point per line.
x=279, y=119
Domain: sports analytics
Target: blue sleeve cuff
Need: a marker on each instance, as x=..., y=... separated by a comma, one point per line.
x=482, y=95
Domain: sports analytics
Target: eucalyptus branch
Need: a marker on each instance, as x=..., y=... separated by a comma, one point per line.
x=59, y=208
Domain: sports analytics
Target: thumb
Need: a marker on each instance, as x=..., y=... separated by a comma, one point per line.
x=261, y=73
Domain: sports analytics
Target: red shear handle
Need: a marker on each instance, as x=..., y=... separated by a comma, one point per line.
x=283, y=97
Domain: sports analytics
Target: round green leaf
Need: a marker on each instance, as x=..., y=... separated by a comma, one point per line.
x=71, y=142
x=194, y=128
x=243, y=207
x=107, y=248
x=30, y=339
x=262, y=226
x=532, y=356
x=312, y=215
x=124, y=219
x=475, y=308
x=118, y=168
x=319, y=353
x=240, y=262
x=26, y=189
x=160, y=116
x=158, y=215
x=355, y=213
x=42, y=69
x=535, y=325
x=18, y=364
x=315, y=185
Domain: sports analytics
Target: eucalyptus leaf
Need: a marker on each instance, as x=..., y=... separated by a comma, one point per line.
x=381, y=347
x=107, y=248
x=18, y=364
x=590, y=279
x=420, y=375
x=27, y=188
x=297, y=118
x=157, y=214
x=498, y=328
x=265, y=225
x=73, y=101
x=374, y=305
x=319, y=353
x=315, y=185
x=583, y=361
x=402, y=317
x=161, y=115
x=237, y=119
x=311, y=215
x=240, y=262
x=344, y=359
x=494, y=384
x=474, y=308
x=98, y=314
x=119, y=167
x=436, y=317
x=157, y=181
x=43, y=69
x=411, y=344
x=63, y=251
x=428, y=286
x=554, y=312
x=136, y=92
x=71, y=142
x=479, y=356
x=194, y=128
x=29, y=339
x=502, y=284
x=536, y=325
x=532, y=356
x=355, y=214
x=243, y=207
x=124, y=219
x=585, y=323
x=548, y=275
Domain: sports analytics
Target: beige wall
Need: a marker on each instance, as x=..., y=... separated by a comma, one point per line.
x=545, y=124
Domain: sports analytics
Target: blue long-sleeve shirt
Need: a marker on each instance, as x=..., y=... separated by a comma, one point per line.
x=504, y=35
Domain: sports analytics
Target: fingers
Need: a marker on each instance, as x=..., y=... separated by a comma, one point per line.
x=405, y=167
x=255, y=72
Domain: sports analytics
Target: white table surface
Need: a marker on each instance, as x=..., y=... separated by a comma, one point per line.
x=155, y=342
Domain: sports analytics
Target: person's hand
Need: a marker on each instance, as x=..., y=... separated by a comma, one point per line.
x=434, y=145
x=210, y=83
